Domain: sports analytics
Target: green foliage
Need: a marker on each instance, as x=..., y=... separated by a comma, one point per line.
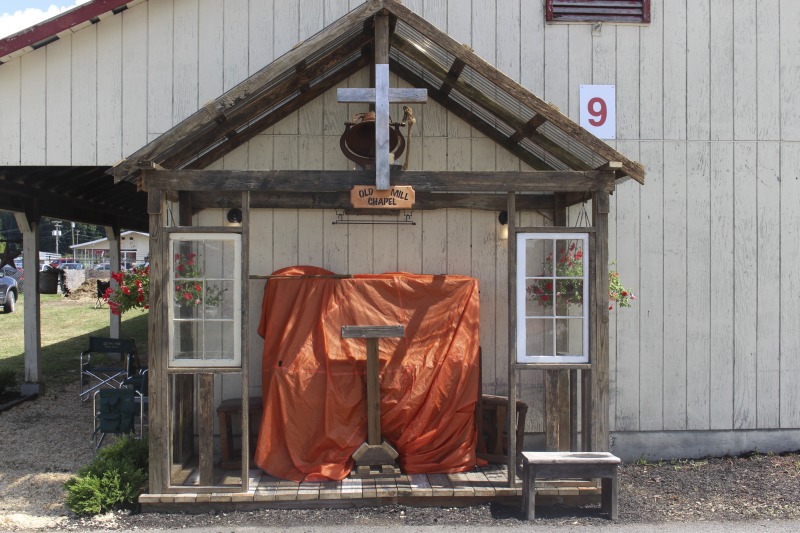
x=114, y=479
x=8, y=379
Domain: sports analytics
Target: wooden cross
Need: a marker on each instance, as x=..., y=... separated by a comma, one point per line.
x=376, y=451
x=382, y=96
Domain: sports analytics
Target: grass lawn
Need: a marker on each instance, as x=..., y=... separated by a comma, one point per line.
x=66, y=328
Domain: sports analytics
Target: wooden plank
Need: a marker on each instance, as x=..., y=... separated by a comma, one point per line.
x=651, y=76
x=674, y=95
x=287, y=490
x=768, y=191
x=185, y=73
x=322, y=180
x=420, y=487
x=483, y=243
x=310, y=116
x=627, y=84
x=725, y=223
x=330, y=490
x=211, y=50
x=205, y=400
x=32, y=101
x=440, y=485
x=84, y=97
x=599, y=356
x=260, y=30
x=721, y=76
x=789, y=18
x=579, y=66
x=434, y=242
x=368, y=489
x=159, y=65
x=675, y=261
x=59, y=98
x=134, y=79
x=308, y=491
x=385, y=487
x=459, y=251
x=32, y=325
x=372, y=332
x=651, y=291
x=235, y=19
x=768, y=49
x=698, y=264
x=109, y=91
x=698, y=79
x=462, y=487
x=745, y=75
x=742, y=274
x=628, y=336
x=790, y=286
x=351, y=488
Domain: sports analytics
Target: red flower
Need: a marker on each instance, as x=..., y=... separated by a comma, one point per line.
x=187, y=296
x=548, y=286
x=126, y=291
x=197, y=287
x=140, y=298
x=545, y=297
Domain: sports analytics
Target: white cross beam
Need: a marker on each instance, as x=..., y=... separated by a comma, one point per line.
x=382, y=96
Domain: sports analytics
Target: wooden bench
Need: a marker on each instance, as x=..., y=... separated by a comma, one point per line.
x=564, y=465
x=227, y=411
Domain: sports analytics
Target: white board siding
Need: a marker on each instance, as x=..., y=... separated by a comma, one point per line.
x=790, y=287
x=109, y=90
x=745, y=262
x=768, y=302
x=721, y=69
x=185, y=73
x=59, y=101
x=651, y=292
x=134, y=79
x=768, y=67
x=698, y=75
x=651, y=75
x=159, y=66
x=84, y=97
x=789, y=20
x=721, y=267
x=32, y=102
x=745, y=75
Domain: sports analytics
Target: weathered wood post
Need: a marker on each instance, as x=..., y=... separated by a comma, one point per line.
x=374, y=452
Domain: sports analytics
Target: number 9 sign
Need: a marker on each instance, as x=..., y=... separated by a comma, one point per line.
x=598, y=110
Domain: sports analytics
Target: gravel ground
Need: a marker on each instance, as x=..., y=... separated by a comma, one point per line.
x=46, y=440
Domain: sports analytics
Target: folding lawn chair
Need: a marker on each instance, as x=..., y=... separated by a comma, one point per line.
x=101, y=290
x=95, y=376
x=115, y=412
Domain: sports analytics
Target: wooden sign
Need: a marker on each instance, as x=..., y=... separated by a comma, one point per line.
x=370, y=197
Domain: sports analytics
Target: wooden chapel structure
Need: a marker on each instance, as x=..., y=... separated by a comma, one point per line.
x=568, y=166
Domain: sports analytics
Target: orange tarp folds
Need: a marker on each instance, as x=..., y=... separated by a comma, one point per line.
x=315, y=412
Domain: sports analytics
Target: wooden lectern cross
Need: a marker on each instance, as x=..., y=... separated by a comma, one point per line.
x=381, y=96
x=376, y=451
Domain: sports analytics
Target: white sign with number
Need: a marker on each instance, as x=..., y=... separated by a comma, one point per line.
x=599, y=110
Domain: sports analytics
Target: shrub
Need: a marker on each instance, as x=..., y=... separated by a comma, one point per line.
x=113, y=480
x=8, y=380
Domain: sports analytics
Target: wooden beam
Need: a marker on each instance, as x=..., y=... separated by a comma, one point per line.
x=257, y=126
x=521, y=127
x=344, y=180
x=252, y=86
x=470, y=118
x=504, y=83
x=341, y=200
x=452, y=76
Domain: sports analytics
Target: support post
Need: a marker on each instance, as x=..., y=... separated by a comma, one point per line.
x=157, y=342
x=112, y=233
x=600, y=363
x=29, y=226
x=511, y=208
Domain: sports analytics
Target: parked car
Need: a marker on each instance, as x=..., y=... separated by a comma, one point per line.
x=9, y=292
x=16, y=273
x=107, y=266
x=71, y=266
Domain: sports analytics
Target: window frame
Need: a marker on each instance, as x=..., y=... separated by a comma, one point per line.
x=229, y=363
x=554, y=13
x=521, y=302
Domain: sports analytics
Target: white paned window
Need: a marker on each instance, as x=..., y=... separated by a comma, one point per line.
x=552, y=298
x=204, y=300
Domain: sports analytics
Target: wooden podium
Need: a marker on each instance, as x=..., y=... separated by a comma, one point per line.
x=375, y=456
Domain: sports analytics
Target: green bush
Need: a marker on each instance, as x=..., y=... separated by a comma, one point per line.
x=113, y=480
x=8, y=380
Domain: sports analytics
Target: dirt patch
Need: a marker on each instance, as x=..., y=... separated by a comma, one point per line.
x=45, y=441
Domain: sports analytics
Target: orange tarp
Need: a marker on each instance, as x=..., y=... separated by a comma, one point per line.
x=315, y=412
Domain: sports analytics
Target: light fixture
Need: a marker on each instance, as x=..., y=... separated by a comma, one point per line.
x=234, y=217
x=502, y=232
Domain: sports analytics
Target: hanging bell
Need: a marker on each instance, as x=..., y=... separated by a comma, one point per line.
x=358, y=140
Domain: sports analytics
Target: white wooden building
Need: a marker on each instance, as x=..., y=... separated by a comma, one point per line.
x=707, y=360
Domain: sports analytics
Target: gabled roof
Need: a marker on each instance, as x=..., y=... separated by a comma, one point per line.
x=48, y=31
x=421, y=54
